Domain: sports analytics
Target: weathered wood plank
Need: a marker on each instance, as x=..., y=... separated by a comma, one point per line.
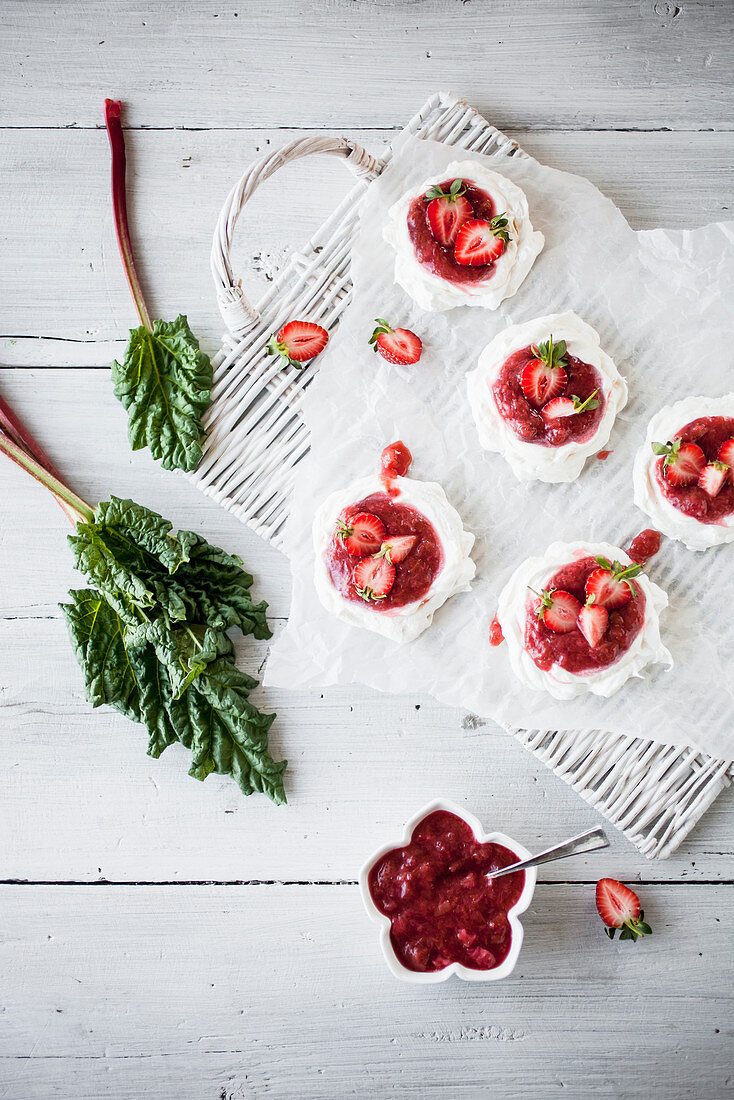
x=237, y=992
x=360, y=764
x=333, y=62
x=60, y=275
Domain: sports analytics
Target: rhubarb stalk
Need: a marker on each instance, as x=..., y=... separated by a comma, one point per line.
x=112, y=112
x=15, y=430
x=76, y=508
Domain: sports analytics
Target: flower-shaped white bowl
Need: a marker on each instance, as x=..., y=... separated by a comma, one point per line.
x=466, y=973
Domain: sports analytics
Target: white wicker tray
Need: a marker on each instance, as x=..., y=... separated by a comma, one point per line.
x=652, y=793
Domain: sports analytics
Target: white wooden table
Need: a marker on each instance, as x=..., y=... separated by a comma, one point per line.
x=162, y=937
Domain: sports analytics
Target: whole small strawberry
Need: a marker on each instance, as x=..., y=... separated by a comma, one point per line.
x=619, y=908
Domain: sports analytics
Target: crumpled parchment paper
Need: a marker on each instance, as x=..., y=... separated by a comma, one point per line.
x=662, y=303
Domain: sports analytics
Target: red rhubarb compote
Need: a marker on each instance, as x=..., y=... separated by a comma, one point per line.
x=708, y=432
x=644, y=546
x=527, y=421
x=572, y=651
x=415, y=574
x=439, y=258
x=441, y=907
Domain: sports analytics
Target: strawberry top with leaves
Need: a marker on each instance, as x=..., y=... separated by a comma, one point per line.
x=548, y=396
x=426, y=230
x=393, y=535
x=619, y=908
x=558, y=639
x=695, y=469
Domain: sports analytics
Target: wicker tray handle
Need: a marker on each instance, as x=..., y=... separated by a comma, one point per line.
x=238, y=312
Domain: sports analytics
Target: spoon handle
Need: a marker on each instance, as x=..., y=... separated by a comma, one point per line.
x=584, y=842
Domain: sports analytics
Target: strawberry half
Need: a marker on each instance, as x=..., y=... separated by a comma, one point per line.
x=560, y=407
x=544, y=377
x=480, y=242
x=397, y=549
x=374, y=577
x=361, y=534
x=558, y=609
x=683, y=461
x=447, y=211
x=397, y=345
x=593, y=622
x=611, y=585
x=712, y=477
x=298, y=341
x=619, y=907
x=726, y=453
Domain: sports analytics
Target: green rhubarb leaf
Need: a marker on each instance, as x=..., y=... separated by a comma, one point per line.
x=151, y=638
x=219, y=589
x=129, y=553
x=98, y=636
x=164, y=382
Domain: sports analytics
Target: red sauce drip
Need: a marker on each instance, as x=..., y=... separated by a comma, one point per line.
x=440, y=905
x=645, y=545
x=571, y=651
x=527, y=422
x=496, y=637
x=414, y=575
x=438, y=258
x=396, y=460
x=709, y=432
x=603, y=455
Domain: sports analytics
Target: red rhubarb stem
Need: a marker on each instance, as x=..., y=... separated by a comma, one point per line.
x=82, y=513
x=17, y=432
x=112, y=111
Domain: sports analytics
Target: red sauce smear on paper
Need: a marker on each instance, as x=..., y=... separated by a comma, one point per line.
x=441, y=907
x=645, y=545
x=709, y=432
x=527, y=421
x=603, y=455
x=571, y=651
x=496, y=637
x=439, y=258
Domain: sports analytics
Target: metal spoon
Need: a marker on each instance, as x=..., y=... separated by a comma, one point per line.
x=584, y=842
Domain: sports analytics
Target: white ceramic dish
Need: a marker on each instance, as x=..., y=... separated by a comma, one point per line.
x=468, y=975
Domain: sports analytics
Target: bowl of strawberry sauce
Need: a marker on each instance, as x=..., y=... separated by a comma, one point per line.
x=438, y=914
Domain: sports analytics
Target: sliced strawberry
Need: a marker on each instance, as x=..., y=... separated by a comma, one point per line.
x=361, y=534
x=611, y=585
x=397, y=345
x=683, y=461
x=712, y=477
x=374, y=577
x=558, y=609
x=396, y=549
x=298, y=341
x=544, y=377
x=726, y=453
x=619, y=907
x=447, y=211
x=480, y=242
x=593, y=622
x=569, y=406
